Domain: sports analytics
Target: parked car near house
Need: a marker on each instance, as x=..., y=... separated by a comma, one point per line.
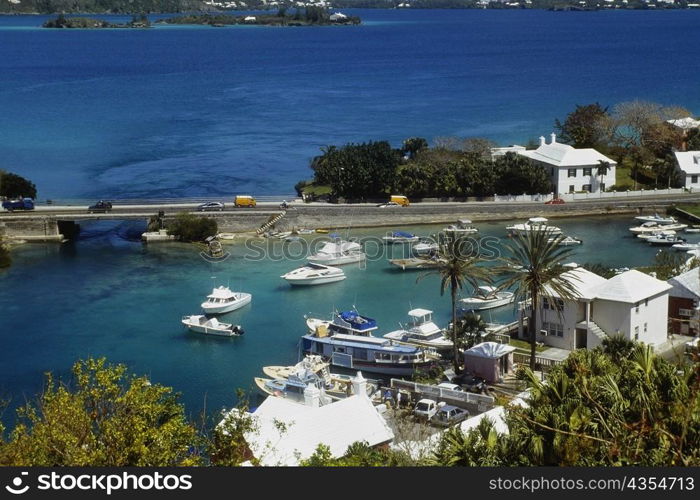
x=448, y=415
x=425, y=409
x=555, y=201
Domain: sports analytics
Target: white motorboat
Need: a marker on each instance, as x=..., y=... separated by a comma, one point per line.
x=686, y=247
x=692, y=229
x=656, y=218
x=347, y=322
x=567, y=241
x=314, y=274
x=463, y=226
x=422, y=331
x=533, y=224
x=486, y=297
x=211, y=326
x=425, y=247
x=664, y=240
x=400, y=237
x=651, y=227
x=339, y=252
x=222, y=300
x=646, y=236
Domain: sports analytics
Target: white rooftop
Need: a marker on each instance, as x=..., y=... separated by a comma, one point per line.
x=583, y=280
x=630, y=287
x=419, y=313
x=686, y=123
x=689, y=161
x=687, y=285
x=491, y=350
x=563, y=155
x=287, y=432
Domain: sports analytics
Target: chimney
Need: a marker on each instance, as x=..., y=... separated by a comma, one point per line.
x=312, y=396
x=359, y=385
x=554, y=138
x=542, y=140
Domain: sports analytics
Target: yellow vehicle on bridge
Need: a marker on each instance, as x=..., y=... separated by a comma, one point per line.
x=244, y=200
x=400, y=200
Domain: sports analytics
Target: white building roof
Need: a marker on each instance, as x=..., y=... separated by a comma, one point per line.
x=630, y=287
x=287, y=432
x=583, y=280
x=686, y=123
x=687, y=285
x=496, y=415
x=563, y=155
x=491, y=350
x=689, y=161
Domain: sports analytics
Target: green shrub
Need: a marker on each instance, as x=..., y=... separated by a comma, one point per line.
x=5, y=259
x=187, y=227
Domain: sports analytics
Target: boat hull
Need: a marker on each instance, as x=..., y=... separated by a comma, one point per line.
x=314, y=281
x=467, y=305
x=337, y=261
x=211, y=331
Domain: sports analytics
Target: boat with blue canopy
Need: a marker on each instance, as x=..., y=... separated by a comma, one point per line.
x=400, y=237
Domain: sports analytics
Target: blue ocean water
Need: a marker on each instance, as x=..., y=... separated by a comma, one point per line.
x=109, y=295
x=182, y=111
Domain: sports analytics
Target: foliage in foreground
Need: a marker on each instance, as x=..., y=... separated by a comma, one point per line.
x=189, y=228
x=5, y=257
x=105, y=417
x=15, y=186
x=619, y=405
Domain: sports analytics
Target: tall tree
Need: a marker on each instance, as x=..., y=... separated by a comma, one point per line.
x=517, y=174
x=535, y=270
x=14, y=186
x=460, y=265
x=584, y=127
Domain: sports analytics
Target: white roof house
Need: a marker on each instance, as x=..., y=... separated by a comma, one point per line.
x=686, y=123
x=689, y=165
x=490, y=350
x=286, y=432
x=686, y=285
x=571, y=169
x=631, y=304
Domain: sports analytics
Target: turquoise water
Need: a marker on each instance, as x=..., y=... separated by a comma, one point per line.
x=182, y=111
x=109, y=295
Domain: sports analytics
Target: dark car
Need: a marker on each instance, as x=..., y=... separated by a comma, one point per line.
x=211, y=206
x=100, y=207
x=555, y=201
x=21, y=204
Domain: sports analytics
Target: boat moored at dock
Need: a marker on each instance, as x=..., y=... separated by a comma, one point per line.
x=211, y=326
x=421, y=331
x=222, y=300
x=337, y=253
x=486, y=297
x=313, y=274
x=533, y=224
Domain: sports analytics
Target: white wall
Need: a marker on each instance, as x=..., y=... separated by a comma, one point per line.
x=619, y=316
x=568, y=318
x=563, y=181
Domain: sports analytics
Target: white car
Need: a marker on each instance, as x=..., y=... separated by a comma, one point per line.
x=389, y=204
x=452, y=387
x=211, y=206
x=425, y=409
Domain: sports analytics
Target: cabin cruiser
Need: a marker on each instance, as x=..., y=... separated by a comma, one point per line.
x=656, y=218
x=421, y=332
x=566, y=241
x=339, y=252
x=222, y=300
x=486, y=297
x=314, y=274
x=416, y=263
x=211, y=326
x=686, y=247
x=425, y=247
x=650, y=227
x=400, y=237
x=368, y=353
x=284, y=380
x=533, y=224
x=666, y=240
x=646, y=236
x=462, y=227
x=348, y=322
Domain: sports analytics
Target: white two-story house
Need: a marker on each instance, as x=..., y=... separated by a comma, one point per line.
x=631, y=304
x=689, y=166
x=570, y=169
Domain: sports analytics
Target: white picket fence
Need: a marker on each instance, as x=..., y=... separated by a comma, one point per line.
x=588, y=196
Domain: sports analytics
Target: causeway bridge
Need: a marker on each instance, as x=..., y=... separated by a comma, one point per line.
x=60, y=220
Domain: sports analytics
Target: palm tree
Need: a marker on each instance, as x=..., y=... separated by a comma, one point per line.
x=457, y=268
x=534, y=271
x=603, y=168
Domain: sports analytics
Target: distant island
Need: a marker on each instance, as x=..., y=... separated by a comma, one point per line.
x=219, y=6
x=309, y=16
x=88, y=23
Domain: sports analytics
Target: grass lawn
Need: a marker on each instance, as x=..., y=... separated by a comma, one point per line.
x=624, y=178
x=691, y=209
x=313, y=189
x=525, y=346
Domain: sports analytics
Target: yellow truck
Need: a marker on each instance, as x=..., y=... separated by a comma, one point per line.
x=244, y=201
x=400, y=200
